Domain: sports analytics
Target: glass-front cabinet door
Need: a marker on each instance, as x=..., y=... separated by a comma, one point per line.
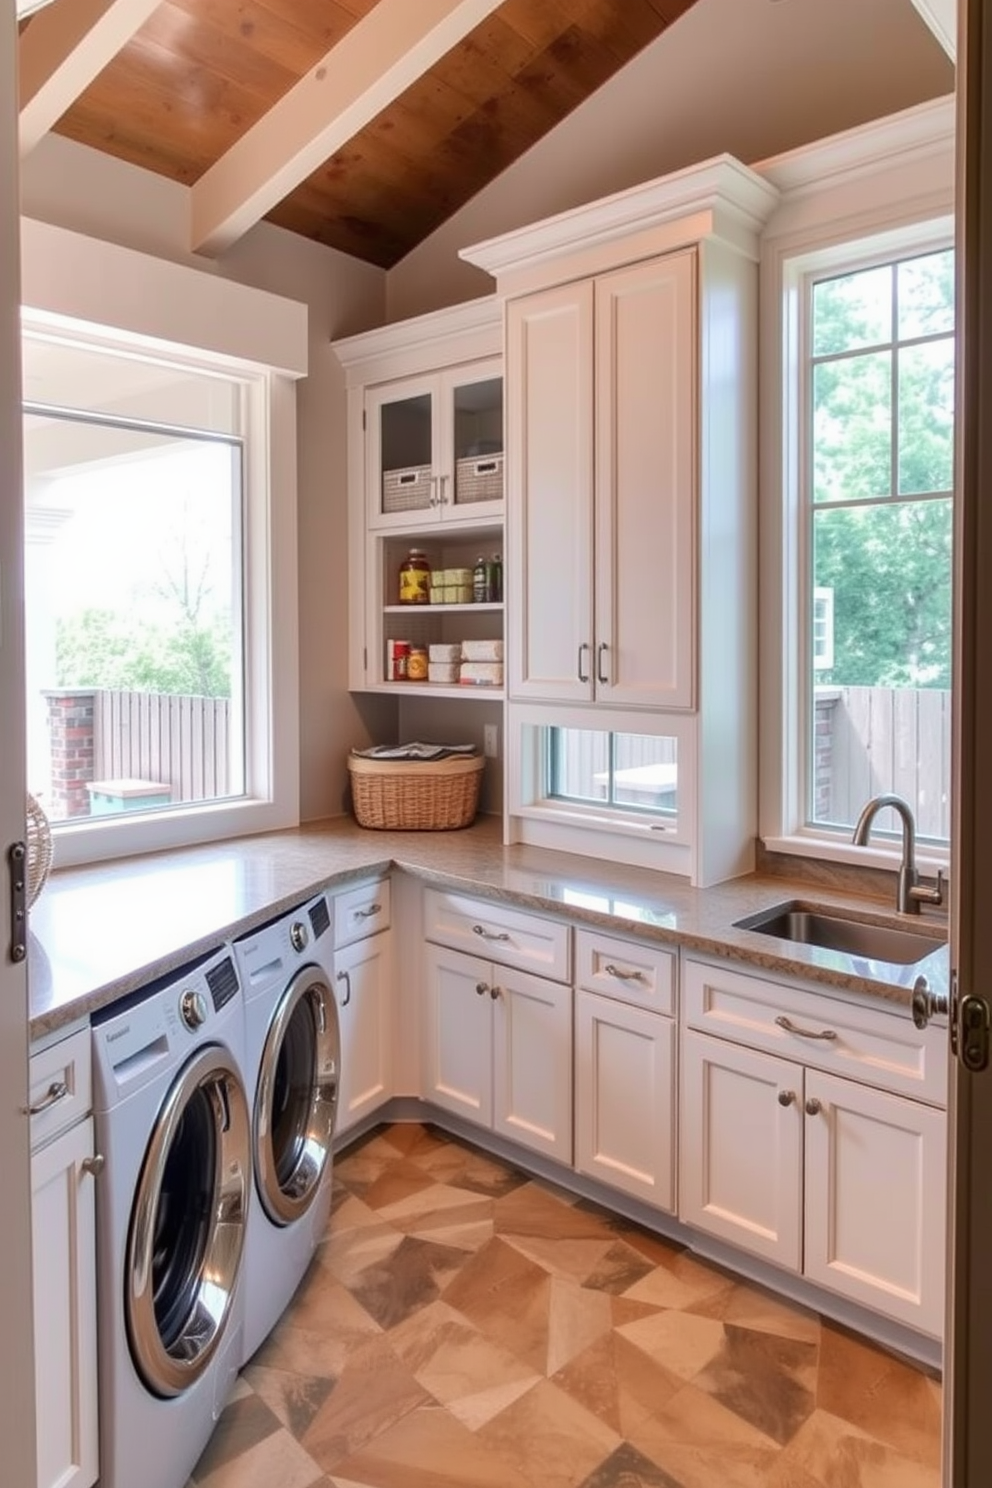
x=435, y=447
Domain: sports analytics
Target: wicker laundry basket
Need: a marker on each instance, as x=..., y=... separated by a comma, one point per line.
x=416, y=795
x=39, y=849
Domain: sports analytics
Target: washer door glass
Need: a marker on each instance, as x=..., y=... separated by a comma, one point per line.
x=188, y=1224
x=297, y=1097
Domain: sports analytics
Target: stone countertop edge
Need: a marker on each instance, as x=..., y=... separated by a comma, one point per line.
x=101, y=932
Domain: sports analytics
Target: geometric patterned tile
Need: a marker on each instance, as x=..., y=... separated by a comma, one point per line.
x=464, y=1325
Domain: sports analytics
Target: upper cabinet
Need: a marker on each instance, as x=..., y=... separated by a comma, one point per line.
x=425, y=471
x=435, y=447
x=602, y=410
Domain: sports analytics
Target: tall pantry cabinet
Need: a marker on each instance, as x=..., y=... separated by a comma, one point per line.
x=631, y=507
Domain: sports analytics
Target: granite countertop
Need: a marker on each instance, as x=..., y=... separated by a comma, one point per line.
x=99, y=932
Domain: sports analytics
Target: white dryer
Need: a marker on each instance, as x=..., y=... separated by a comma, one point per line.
x=292, y=1060
x=172, y=1122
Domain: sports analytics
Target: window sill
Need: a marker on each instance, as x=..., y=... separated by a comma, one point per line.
x=93, y=840
x=840, y=849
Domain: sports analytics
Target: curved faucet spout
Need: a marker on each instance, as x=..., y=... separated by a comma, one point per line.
x=909, y=894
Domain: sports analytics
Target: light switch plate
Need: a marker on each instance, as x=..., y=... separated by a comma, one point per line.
x=490, y=735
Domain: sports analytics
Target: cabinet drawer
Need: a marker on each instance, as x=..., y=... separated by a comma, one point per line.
x=59, y=1086
x=863, y=1043
x=361, y=911
x=509, y=936
x=633, y=971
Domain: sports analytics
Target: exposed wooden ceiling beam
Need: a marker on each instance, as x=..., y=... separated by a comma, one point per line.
x=61, y=52
x=370, y=66
x=941, y=17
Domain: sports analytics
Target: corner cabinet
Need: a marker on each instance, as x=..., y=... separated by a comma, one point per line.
x=425, y=470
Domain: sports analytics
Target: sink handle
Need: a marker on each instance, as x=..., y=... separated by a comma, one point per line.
x=790, y=1027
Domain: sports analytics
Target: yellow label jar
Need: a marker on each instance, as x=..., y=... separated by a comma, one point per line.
x=415, y=578
x=417, y=664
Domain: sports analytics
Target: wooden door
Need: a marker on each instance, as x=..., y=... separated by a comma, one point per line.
x=458, y=1070
x=532, y=1062
x=17, y=1395
x=363, y=982
x=549, y=422
x=63, y=1212
x=626, y=1142
x=740, y=1148
x=875, y=1189
x=645, y=484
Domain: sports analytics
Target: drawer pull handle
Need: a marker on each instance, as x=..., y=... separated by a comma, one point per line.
x=813, y=1106
x=366, y=914
x=481, y=988
x=343, y=976
x=58, y=1090
x=94, y=1165
x=489, y=934
x=790, y=1027
x=621, y=975
x=787, y=1097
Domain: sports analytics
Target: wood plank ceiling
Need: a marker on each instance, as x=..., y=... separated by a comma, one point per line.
x=198, y=74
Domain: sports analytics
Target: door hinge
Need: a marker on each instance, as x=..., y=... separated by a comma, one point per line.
x=17, y=865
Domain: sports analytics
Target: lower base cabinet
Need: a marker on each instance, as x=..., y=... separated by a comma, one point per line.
x=498, y=1049
x=625, y=1098
x=363, y=979
x=831, y=1179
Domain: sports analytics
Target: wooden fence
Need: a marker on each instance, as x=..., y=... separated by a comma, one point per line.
x=891, y=739
x=176, y=740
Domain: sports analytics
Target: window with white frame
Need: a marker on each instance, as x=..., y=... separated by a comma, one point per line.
x=875, y=534
x=148, y=640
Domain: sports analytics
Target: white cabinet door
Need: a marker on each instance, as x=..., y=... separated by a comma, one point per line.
x=63, y=1213
x=363, y=985
x=458, y=1052
x=741, y=1135
x=550, y=492
x=532, y=1062
x=625, y=1098
x=875, y=1199
x=645, y=484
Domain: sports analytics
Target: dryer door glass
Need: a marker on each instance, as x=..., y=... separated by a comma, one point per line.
x=296, y=1097
x=187, y=1229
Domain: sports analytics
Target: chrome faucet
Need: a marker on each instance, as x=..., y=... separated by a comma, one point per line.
x=910, y=893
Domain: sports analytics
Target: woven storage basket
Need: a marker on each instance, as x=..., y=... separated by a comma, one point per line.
x=415, y=795
x=479, y=480
x=39, y=849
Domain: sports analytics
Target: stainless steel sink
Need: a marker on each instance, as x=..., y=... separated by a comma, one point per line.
x=833, y=930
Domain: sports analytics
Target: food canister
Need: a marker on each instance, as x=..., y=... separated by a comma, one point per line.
x=397, y=660
x=415, y=578
x=417, y=665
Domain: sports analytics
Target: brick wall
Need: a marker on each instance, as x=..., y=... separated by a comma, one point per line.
x=823, y=744
x=70, y=728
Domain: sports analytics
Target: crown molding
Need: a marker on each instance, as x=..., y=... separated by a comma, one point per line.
x=476, y=323
x=941, y=17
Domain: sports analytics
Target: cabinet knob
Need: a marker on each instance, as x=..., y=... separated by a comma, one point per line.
x=787, y=1097
x=813, y=1106
x=481, y=988
x=494, y=992
x=95, y=1164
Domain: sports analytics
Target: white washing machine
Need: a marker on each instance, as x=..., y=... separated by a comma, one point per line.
x=292, y=1061
x=172, y=1121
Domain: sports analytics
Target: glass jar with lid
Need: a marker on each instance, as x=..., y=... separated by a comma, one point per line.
x=415, y=578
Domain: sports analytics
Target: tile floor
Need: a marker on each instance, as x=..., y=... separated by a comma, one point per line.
x=465, y=1326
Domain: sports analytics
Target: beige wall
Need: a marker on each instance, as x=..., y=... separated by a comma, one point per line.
x=748, y=77
x=77, y=188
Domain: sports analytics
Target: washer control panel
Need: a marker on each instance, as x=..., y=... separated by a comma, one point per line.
x=193, y=1009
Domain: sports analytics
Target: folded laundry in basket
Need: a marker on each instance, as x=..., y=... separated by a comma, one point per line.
x=413, y=751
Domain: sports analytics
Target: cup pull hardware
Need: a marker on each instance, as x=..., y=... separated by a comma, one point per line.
x=489, y=934
x=827, y=1034
x=58, y=1090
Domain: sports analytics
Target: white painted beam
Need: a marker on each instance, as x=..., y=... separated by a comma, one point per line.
x=63, y=50
x=370, y=66
x=941, y=17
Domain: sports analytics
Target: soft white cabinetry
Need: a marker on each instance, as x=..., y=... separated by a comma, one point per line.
x=799, y=1141
x=363, y=986
x=625, y=1066
x=425, y=470
x=63, y=1217
x=601, y=428
x=498, y=1039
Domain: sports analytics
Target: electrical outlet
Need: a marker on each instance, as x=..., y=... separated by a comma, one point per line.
x=490, y=734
